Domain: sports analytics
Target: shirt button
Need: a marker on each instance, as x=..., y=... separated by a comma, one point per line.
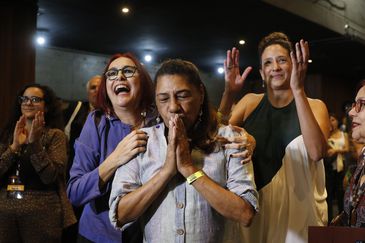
x=180, y=231
x=180, y=205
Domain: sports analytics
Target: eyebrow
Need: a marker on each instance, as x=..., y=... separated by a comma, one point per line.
x=177, y=92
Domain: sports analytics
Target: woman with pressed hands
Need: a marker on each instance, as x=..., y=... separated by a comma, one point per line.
x=186, y=186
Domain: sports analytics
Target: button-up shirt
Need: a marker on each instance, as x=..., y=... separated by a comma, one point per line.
x=180, y=213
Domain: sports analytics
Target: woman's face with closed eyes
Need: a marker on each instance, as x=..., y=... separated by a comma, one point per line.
x=176, y=95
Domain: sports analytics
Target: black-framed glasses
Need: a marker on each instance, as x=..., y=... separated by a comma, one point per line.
x=127, y=72
x=358, y=105
x=32, y=99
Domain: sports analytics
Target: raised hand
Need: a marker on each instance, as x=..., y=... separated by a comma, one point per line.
x=300, y=64
x=36, y=127
x=233, y=79
x=20, y=134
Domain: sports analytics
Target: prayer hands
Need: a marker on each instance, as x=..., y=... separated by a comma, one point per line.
x=178, y=151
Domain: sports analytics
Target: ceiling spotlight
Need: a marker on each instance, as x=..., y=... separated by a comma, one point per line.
x=242, y=42
x=148, y=58
x=310, y=60
x=41, y=40
x=125, y=10
x=220, y=70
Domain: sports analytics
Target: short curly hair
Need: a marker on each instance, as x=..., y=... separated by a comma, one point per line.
x=275, y=38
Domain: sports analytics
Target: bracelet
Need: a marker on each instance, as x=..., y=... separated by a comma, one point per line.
x=193, y=177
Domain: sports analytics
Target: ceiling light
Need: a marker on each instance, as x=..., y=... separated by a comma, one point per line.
x=41, y=40
x=242, y=42
x=125, y=10
x=310, y=60
x=148, y=58
x=220, y=70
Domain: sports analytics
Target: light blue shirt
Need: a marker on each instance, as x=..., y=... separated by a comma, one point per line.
x=180, y=213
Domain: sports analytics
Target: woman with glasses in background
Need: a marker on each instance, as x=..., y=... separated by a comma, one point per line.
x=109, y=139
x=33, y=202
x=354, y=198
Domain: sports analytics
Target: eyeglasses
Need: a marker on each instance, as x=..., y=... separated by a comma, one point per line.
x=32, y=99
x=127, y=72
x=358, y=105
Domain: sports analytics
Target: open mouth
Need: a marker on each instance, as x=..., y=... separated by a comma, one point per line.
x=121, y=89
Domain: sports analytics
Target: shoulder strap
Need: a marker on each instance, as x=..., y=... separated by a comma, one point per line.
x=67, y=129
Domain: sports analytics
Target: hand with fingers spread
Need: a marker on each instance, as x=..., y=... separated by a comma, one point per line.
x=233, y=79
x=300, y=64
x=20, y=134
x=36, y=127
x=244, y=142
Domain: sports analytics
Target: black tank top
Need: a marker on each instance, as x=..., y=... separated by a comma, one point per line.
x=273, y=128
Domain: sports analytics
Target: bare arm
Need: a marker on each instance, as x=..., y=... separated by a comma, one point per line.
x=224, y=201
x=314, y=126
x=244, y=108
x=234, y=82
x=134, y=204
x=313, y=116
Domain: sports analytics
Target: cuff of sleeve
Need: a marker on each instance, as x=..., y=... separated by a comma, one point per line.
x=113, y=216
x=251, y=199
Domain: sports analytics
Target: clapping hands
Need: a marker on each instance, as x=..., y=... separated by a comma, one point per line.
x=22, y=136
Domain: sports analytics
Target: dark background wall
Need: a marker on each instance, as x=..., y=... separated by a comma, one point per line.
x=17, y=53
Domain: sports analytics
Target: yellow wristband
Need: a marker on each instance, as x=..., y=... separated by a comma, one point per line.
x=193, y=177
